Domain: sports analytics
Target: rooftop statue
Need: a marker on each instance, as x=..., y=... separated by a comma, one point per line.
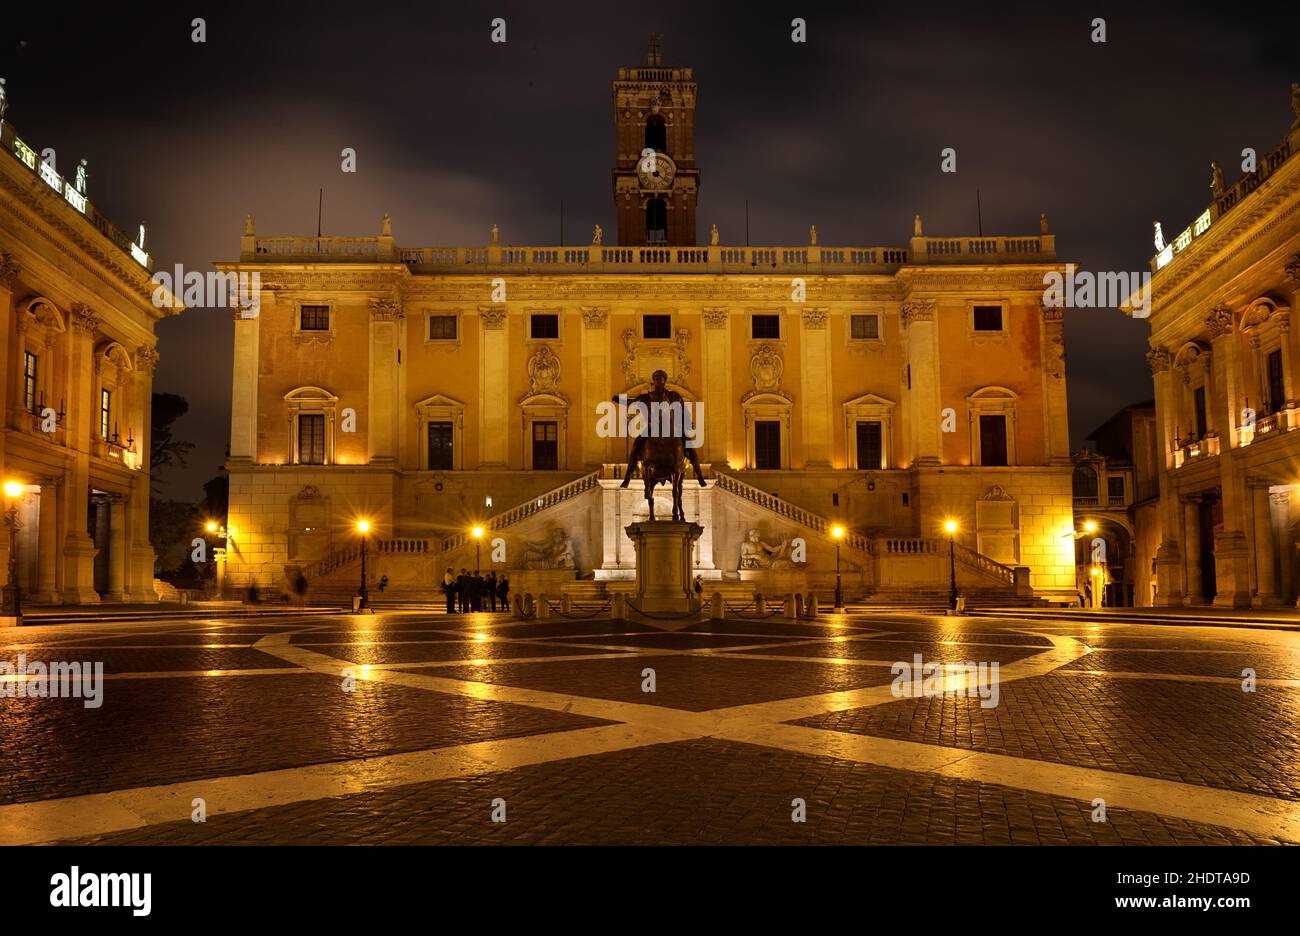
x=597, y=236
x=713, y=236
x=1216, y=179
x=82, y=175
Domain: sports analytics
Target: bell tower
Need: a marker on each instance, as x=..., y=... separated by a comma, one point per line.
x=655, y=195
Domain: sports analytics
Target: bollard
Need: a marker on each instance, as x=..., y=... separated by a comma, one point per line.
x=717, y=611
x=760, y=603
x=566, y=603
x=618, y=607
x=812, y=604
x=543, y=609
x=789, y=610
x=798, y=605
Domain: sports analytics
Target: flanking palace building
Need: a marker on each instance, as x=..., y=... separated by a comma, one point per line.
x=79, y=351
x=430, y=389
x=1223, y=356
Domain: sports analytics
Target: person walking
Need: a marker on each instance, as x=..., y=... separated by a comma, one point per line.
x=490, y=585
x=503, y=591
x=449, y=591
x=476, y=592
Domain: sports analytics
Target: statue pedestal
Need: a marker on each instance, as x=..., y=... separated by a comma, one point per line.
x=664, y=552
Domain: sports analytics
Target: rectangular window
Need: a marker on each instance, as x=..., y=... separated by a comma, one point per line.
x=1198, y=401
x=544, y=326
x=442, y=328
x=657, y=326
x=311, y=439
x=440, y=441
x=105, y=412
x=988, y=318
x=1276, y=388
x=546, y=446
x=314, y=318
x=870, y=446
x=29, y=381
x=1115, y=490
x=767, y=444
x=993, y=440
x=864, y=327
x=765, y=327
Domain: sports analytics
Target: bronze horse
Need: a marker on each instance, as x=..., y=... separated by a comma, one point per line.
x=663, y=461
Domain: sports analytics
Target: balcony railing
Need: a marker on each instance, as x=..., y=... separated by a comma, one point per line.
x=600, y=258
x=1196, y=449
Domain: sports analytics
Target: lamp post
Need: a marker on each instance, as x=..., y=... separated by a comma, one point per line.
x=837, y=532
x=477, y=533
x=951, y=527
x=218, y=532
x=13, y=595
x=363, y=527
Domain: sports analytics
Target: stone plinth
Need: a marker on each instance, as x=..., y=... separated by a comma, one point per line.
x=663, y=565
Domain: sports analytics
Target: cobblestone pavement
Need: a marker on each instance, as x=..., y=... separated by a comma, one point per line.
x=410, y=727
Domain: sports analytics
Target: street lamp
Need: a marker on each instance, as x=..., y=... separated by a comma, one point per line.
x=950, y=526
x=477, y=533
x=837, y=532
x=363, y=527
x=13, y=595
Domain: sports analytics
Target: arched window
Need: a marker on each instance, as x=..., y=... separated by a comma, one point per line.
x=656, y=133
x=656, y=220
x=1085, y=481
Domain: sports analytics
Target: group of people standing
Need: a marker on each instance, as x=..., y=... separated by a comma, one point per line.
x=472, y=591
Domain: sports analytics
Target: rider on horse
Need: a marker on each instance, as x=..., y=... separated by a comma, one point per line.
x=658, y=393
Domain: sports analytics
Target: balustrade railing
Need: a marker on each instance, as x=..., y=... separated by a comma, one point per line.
x=788, y=510
x=523, y=511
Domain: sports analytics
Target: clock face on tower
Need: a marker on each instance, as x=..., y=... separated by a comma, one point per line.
x=656, y=171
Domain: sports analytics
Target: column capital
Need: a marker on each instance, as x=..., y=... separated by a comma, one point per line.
x=494, y=317
x=814, y=318
x=9, y=270
x=595, y=317
x=84, y=319
x=1158, y=359
x=917, y=310
x=1219, y=322
x=386, y=310
x=1293, y=269
x=146, y=359
x=715, y=317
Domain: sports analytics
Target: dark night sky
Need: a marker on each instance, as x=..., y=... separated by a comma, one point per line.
x=454, y=133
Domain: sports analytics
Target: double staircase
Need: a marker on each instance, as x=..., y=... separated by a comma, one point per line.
x=909, y=572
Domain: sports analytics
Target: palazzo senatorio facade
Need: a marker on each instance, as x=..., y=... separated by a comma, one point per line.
x=429, y=389
x=79, y=356
x=1223, y=357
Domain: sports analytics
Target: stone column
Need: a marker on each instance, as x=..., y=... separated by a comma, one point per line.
x=244, y=384
x=78, y=548
x=116, y=548
x=1288, y=384
x=494, y=411
x=47, y=551
x=1285, y=546
x=918, y=317
x=1231, y=549
x=386, y=318
x=1169, y=557
x=139, y=576
x=815, y=390
x=1265, y=574
x=1055, y=414
x=1192, y=548
x=597, y=386
x=716, y=377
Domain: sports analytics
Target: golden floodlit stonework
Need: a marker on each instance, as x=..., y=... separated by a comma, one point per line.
x=428, y=389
